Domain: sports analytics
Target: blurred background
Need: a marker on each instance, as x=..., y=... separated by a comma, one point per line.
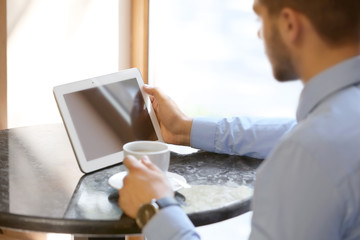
x=205, y=54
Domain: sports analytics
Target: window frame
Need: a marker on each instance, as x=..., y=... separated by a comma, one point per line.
x=139, y=57
x=3, y=65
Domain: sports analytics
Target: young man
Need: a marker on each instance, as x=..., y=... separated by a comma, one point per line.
x=308, y=187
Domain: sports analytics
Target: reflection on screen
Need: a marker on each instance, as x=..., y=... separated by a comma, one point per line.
x=108, y=116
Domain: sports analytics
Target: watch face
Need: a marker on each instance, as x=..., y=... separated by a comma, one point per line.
x=145, y=214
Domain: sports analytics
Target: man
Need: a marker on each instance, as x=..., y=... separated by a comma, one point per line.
x=308, y=187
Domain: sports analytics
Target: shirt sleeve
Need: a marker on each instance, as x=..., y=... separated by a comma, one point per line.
x=254, y=137
x=170, y=223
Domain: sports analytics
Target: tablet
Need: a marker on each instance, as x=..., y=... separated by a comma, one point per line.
x=101, y=114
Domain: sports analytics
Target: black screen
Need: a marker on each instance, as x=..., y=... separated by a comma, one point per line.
x=108, y=116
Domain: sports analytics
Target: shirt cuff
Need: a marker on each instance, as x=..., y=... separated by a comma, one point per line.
x=170, y=222
x=203, y=133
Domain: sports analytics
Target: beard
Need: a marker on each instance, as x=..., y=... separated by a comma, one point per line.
x=280, y=59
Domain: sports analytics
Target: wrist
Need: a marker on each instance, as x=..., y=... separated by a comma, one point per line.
x=187, y=131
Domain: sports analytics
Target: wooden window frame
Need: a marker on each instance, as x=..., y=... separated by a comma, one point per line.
x=140, y=37
x=3, y=65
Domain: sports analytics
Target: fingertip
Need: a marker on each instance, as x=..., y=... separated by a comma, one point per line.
x=153, y=91
x=147, y=88
x=129, y=161
x=129, y=158
x=145, y=160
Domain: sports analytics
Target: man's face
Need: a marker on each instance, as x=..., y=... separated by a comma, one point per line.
x=275, y=48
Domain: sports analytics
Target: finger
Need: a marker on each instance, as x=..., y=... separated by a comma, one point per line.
x=156, y=106
x=148, y=89
x=153, y=91
x=146, y=161
x=131, y=162
x=152, y=99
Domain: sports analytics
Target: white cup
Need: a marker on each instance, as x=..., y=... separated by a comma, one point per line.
x=158, y=152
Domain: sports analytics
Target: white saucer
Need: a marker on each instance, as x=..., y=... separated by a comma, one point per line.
x=116, y=180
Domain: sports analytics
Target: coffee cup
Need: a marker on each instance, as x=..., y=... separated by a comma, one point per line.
x=158, y=152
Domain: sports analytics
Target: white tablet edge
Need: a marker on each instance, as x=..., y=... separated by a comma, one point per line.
x=106, y=161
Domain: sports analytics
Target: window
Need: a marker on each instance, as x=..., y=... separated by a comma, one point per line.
x=55, y=42
x=206, y=55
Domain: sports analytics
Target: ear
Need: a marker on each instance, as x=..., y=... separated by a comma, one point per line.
x=290, y=25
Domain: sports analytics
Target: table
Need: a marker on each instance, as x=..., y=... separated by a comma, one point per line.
x=43, y=190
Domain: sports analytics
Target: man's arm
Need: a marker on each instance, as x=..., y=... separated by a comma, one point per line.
x=254, y=137
x=241, y=136
x=143, y=183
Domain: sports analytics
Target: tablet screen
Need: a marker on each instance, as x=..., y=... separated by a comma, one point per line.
x=108, y=116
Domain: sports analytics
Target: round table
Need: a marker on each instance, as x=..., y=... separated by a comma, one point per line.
x=43, y=190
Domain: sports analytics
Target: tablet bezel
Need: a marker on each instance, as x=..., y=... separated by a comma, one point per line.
x=85, y=165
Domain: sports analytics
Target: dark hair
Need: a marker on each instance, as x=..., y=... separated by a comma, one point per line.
x=336, y=21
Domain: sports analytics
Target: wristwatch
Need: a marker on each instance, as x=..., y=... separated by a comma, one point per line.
x=148, y=210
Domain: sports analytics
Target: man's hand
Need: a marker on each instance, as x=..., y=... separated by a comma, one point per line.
x=175, y=125
x=144, y=182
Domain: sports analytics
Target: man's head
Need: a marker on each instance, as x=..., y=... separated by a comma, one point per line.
x=291, y=26
x=336, y=21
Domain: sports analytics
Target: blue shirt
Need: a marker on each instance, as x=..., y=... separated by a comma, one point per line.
x=309, y=185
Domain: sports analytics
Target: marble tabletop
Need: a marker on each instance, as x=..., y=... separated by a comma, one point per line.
x=42, y=188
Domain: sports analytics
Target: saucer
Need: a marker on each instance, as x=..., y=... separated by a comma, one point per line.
x=177, y=181
x=116, y=180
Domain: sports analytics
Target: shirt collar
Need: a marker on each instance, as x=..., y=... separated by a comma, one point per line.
x=340, y=76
